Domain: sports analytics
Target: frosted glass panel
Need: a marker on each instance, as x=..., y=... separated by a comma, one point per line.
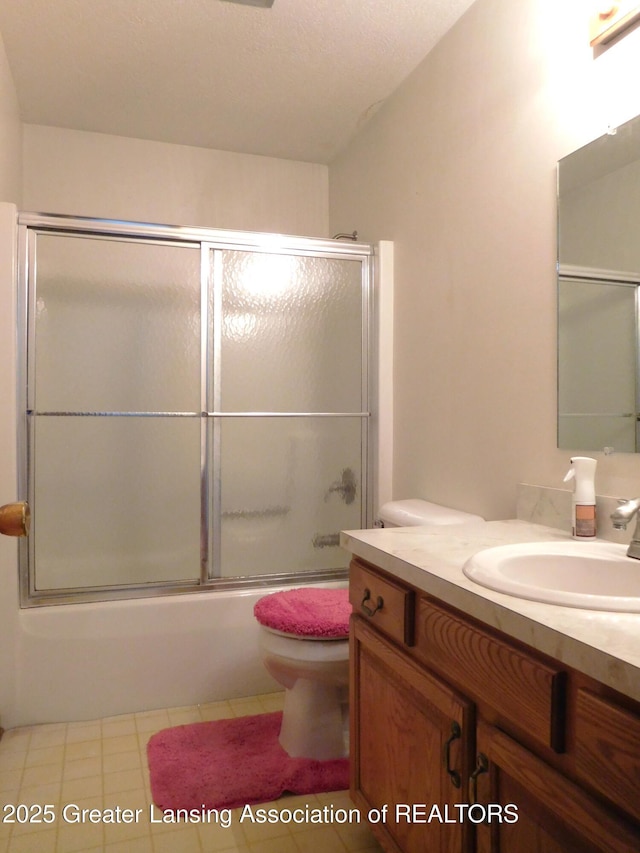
x=281, y=508
x=291, y=333
x=117, y=501
x=117, y=326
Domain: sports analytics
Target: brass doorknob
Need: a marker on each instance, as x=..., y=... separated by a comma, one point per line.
x=15, y=519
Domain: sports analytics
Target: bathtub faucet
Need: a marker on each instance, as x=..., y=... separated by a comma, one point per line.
x=345, y=486
x=621, y=516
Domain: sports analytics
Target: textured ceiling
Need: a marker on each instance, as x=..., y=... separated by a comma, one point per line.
x=294, y=81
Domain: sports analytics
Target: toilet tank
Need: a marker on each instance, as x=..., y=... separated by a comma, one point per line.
x=419, y=513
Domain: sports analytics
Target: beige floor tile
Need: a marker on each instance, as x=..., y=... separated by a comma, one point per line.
x=83, y=749
x=132, y=845
x=128, y=800
x=42, y=795
x=122, y=761
x=15, y=739
x=16, y=759
x=184, y=716
x=77, y=732
x=51, y=735
x=122, y=743
x=78, y=838
x=245, y=707
x=271, y=702
x=284, y=844
x=82, y=767
x=9, y=782
x=357, y=837
x=337, y=799
x=215, y=711
x=74, y=789
x=47, y=755
x=30, y=828
x=320, y=840
x=185, y=840
x=152, y=721
x=46, y=843
x=118, y=726
x=123, y=780
x=41, y=774
x=117, y=832
x=215, y=837
x=254, y=831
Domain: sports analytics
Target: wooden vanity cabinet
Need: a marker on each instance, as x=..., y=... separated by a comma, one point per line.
x=554, y=814
x=405, y=723
x=446, y=714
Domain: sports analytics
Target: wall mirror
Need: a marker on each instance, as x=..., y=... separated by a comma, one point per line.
x=598, y=300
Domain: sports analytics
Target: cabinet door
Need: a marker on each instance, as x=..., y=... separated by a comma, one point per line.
x=553, y=814
x=411, y=745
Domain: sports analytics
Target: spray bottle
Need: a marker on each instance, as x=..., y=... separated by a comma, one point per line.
x=583, y=504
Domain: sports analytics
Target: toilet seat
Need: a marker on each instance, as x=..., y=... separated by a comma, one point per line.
x=308, y=613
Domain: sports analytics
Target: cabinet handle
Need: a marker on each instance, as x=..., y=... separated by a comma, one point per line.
x=456, y=733
x=482, y=766
x=371, y=611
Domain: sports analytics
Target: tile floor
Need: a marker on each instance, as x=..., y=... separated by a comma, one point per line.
x=102, y=764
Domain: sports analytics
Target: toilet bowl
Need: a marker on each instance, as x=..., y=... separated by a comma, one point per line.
x=304, y=637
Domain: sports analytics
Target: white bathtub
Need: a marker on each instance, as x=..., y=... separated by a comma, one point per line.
x=84, y=661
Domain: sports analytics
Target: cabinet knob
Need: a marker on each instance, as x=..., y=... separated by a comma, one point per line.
x=15, y=519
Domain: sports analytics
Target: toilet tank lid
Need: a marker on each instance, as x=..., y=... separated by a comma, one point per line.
x=415, y=512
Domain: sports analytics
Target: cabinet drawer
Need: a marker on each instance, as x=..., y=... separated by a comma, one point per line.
x=513, y=682
x=607, y=738
x=386, y=604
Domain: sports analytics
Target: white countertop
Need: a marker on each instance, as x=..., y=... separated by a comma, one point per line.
x=603, y=645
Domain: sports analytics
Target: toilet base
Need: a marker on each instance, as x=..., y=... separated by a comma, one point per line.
x=315, y=720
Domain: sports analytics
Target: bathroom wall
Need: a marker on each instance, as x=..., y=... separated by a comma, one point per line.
x=10, y=188
x=10, y=135
x=95, y=174
x=459, y=169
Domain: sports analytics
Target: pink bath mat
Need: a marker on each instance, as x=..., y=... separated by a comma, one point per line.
x=231, y=763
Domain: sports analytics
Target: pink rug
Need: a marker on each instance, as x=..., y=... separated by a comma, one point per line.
x=231, y=763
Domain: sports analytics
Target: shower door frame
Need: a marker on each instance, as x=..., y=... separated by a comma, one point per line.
x=210, y=242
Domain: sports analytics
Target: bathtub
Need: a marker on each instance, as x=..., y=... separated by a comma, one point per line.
x=85, y=661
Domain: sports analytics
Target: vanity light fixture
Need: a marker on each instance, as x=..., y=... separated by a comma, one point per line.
x=611, y=18
x=264, y=4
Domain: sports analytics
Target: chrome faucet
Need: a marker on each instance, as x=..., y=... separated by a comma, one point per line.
x=346, y=487
x=621, y=516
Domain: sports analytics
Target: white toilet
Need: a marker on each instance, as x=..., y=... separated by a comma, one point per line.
x=304, y=635
x=305, y=641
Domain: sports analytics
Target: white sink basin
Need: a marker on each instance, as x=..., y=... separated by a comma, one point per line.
x=593, y=575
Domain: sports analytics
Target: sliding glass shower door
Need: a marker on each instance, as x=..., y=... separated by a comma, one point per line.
x=288, y=391
x=196, y=408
